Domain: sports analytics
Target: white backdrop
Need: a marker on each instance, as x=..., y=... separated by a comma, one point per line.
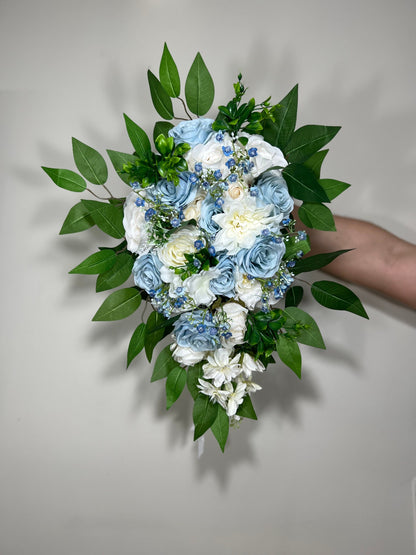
x=90, y=460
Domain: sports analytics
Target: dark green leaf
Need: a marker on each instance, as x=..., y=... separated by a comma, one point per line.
x=303, y=185
x=118, y=159
x=338, y=297
x=98, y=262
x=194, y=373
x=307, y=140
x=221, y=427
x=174, y=385
x=119, y=305
x=163, y=365
x=161, y=128
x=199, y=87
x=204, y=415
x=289, y=353
x=66, y=179
x=246, y=409
x=168, y=74
x=89, y=162
x=279, y=132
x=314, y=163
x=317, y=216
x=333, y=188
x=160, y=98
x=316, y=261
x=138, y=138
x=154, y=332
x=136, y=343
x=118, y=274
x=310, y=335
x=294, y=295
x=109, y=218
x=78, y=219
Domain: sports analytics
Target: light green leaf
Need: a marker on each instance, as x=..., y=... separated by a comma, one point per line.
x=204, y=415
x=109, y=218
x=161, y=128
x=317, y=216
x=136, y=343
x=289, y=353
x=118, y=159
x=221, y=427
x=246, y=409
x=199, y=87
x=294, y=245
x=338, y=297
x=155, y=328
x=168, y=74
x=119, y=305
x=163, y=365
x=66, y=179
x=160, y=98
x=278, y=133
x=294, y=296
x=307, y=140
x=314, y=163
x=333, y=187
x=89, y=162
x=78, y=219
x=174, y=385
x=194, y=373
x=316, y=261
x=98, y=262
x=117, y=275
x=303, y=185
x=138, y=138
x=309, y=335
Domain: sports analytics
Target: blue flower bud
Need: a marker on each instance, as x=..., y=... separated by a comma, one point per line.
x=219, y=202
x=217, y=174
x=219, y=136
x=291, y=264
x=230, y=163
x=197, y=263
x=198, y=244
x=211, y=250
x=198, y=167
x=233, y=178
x=227, y=150
x=193, y=178
x=252, y=152
x=175, y=222
x=201, y=328
x=286, y=221
x=150, y=212
x=139, y=201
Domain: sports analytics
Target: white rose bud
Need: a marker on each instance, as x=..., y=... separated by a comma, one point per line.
x=186, y=356
x=135, y=226
x=236, y=317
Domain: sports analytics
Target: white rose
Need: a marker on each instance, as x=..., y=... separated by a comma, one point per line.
x=267, y=155
x=193, y=210
x=135, y=226
x=235, y=191
x=198, y=287
x=210, y=155
x=186, y=356
x=236, y=317
x=248, y=290
x=180, y=243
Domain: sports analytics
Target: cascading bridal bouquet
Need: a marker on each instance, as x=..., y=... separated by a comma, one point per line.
x=208, y=235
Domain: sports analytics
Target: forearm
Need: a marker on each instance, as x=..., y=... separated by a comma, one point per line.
x=379, y=261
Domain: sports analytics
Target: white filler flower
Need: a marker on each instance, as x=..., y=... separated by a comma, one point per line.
x=221, y=368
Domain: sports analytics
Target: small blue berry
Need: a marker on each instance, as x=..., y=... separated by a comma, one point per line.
x=286, y=221
x=197, y=263
x=265, y=231
x=291, y=264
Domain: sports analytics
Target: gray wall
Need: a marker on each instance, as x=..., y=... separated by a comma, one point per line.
x=90, y=460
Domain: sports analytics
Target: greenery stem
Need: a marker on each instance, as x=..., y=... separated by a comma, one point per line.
x=96, y=196
x=108, y=191
x=184, y=107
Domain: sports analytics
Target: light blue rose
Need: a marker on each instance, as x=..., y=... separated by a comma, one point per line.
x=146, y=272
x=263, y=259
x=272, y=189
x=209, y=209
x=193, y=132
x=177, y=196
x=195, y=331
x=224, y=284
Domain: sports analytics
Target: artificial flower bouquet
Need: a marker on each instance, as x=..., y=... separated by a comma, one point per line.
x=207, y=233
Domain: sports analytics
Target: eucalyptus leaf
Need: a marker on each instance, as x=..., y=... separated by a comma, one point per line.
x=168, y=74
x=289, y=353
x=294, y=295
x=310, y=334
x=199, y=87
x=333, y=187
x=314, y=163
x=317, y=216
x=118, y=159
x=303, y=185
x=338, y=297
x=119, y=305
x=138, y=138
x=160, y=98
x=117, y=275
x=307, y=140
x=204, y=414
x=89, y=162
x=163, y=365
x=317, y=261
x=78, y=219
x=136, y=344
x=96, y=263
x=109, y=218
x=66, y=179
x=221, y=427
x=174, y=385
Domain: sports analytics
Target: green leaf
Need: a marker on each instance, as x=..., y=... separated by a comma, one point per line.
x=109, y=218
x=246, y=409
x=314, y=163
x=136, y=343
x=199, y=87
x=194, y=373
x=89, y=162
x=316, y=261
x=163, y=365
x=66, y=179
x=154, y=332
x=174, y=385
x=333, y=187
x=78, y=219
x=338, y=297
x=204, y=415
x=303, y=185
x=221, y=427
x=118, y=274
x=317, y=216
x=138, y=138
x=98, y=262
x=307, y=140
x=119, y=305
x=310, y=335
x=294, y=295
x=293, y=244
x=289, y=353
x=168, y=74
x=160, y=98
x=118, y=159
x=279, y=132
x=161, y=128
